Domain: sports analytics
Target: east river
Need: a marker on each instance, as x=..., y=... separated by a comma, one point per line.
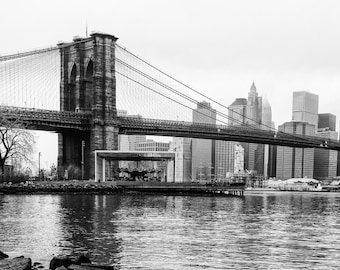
x=279, y=230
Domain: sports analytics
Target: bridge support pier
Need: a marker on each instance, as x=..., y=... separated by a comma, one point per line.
x=70, y=155
x=88, y=85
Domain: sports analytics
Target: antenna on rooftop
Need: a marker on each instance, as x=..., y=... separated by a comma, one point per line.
x=86, y=29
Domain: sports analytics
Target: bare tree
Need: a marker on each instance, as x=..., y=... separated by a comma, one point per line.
x=16, y=142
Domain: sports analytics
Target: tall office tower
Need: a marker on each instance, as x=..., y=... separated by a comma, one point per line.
x=252, y=111
x=203, y=151
x=221, y=148
x=225, y=150
x=327, y=121
x=254, y=105
x=182, y=149
x=236, y=117
x=269, y=157
x=272, y=161
x=237, y=112
x=254, y=153
x=325, y=161
x=305, y=107
x=292, y=161
x=266, y=115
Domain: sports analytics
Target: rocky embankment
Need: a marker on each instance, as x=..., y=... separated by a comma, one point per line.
x=81, y=262
x=58, y=187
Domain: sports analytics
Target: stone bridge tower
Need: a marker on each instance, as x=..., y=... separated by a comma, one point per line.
x=88, y=85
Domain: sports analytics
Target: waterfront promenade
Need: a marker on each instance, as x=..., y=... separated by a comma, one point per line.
x=121, y=187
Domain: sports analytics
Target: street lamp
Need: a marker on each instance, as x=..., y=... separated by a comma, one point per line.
x=39, y=166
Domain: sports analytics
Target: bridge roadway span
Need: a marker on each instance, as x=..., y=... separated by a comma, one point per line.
x=50, y=120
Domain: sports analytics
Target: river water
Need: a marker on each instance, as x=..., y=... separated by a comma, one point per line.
x=282, y=230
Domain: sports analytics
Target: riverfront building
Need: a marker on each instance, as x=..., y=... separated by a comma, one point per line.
x=203, y=151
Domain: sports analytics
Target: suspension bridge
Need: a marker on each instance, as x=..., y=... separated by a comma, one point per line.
x=77, y=88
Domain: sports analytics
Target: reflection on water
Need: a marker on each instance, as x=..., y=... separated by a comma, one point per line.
x=262, y=231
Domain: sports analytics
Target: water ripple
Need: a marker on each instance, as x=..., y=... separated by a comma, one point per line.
x=262, y=231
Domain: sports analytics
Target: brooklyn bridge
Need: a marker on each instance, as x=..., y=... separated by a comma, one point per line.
x=75, y=89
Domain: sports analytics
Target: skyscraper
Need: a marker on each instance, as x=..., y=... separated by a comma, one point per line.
x=203, y=151
x=254, y=111
x=254, y=153
x=327, y=121
x=292, y=161
x=237, y=112
x=299, y=162
x=269, y=151
x=305, y=107
x=254, y=105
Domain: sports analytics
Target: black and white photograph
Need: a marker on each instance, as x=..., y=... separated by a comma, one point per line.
x=161, y=135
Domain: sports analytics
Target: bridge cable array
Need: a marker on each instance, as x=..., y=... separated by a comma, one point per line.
x=25, y=76
x=186, y=97
x=193, y=90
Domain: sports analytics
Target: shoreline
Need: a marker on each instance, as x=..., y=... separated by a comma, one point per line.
x=270, y=190
x=120, y=187
x=62, y=262
x=58, y=188
x=112, y=187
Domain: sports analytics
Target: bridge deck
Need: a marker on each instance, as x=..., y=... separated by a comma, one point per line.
x=61, y=120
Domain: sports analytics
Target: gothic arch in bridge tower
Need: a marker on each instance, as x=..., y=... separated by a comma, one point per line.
x=71, y=93
x=88, y=91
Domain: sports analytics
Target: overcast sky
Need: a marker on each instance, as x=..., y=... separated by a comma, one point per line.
x=218, y=47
